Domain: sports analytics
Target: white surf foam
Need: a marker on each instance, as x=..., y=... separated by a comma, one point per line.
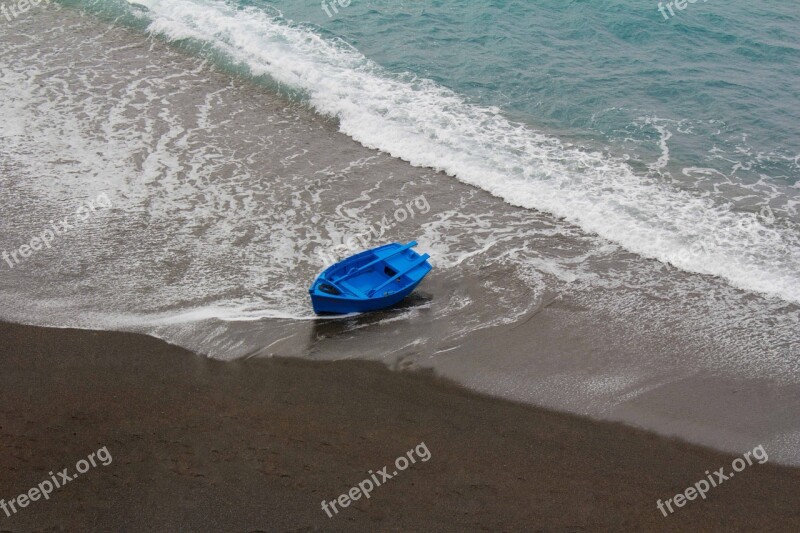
x=233, y=311
x=428, y=125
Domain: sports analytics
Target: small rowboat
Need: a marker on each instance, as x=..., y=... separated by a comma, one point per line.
x=370, y=280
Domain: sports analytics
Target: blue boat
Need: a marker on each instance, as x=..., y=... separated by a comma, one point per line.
x=370, y=280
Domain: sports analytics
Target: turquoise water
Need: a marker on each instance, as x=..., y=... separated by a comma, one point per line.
x=677, y=139
x=722, y=77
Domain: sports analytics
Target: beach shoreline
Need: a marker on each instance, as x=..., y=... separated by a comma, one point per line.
x=224, y=191
x=258, y=444
x=541, y=377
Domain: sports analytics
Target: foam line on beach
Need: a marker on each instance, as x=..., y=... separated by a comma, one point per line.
x=428, y=125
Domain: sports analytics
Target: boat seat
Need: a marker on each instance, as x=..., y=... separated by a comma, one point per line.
x=352, y=289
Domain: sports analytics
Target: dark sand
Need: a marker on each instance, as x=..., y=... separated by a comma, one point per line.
x=256, y=445
x=518, y=305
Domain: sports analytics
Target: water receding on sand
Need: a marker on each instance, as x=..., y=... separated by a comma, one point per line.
x=227, y=199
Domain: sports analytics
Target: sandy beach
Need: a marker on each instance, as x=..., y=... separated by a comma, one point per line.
x=608, y=338
x=219, y=197
x=257, y=445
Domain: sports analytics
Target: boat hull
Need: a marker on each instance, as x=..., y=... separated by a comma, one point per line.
x=337, y=306
x=368, y=281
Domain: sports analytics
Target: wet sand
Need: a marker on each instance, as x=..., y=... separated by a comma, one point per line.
x=257, y=444
x=225, y=190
